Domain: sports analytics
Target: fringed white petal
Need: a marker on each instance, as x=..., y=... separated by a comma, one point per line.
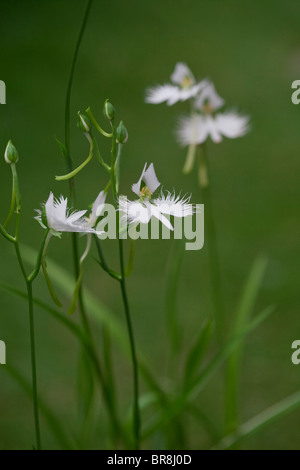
x=188, y=130
x=232, y=125
x=161, y=93
x=197, y=128
x=193, y=130
x=59, y=220
x=75, y=217
x=171, y=94
x=177, y=206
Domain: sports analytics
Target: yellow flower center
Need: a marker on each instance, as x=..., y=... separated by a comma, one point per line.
x=207, y=108
x=186, y=82
x=145, y=192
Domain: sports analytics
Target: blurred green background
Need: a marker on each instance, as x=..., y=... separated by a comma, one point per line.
x=251, y=50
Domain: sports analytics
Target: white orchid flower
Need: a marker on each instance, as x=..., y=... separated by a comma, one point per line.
x=197, y=128
x=140, y=211
x=206, y=122
x=182, y=88
x=56, y=216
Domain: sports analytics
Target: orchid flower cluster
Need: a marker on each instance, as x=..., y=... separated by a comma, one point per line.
x=206, y=118
x=56, y=216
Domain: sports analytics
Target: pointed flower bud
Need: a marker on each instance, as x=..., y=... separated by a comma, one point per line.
x=121, y=133
x=84, y=123
x=109, y=111
x=11, y=154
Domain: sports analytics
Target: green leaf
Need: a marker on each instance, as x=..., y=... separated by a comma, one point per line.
x=199, y=383
x=85, y=393
x=49, y=284
x=205, y=422
x=62, y=147
x=244, y=313
x=261, y=421
x=197, y=352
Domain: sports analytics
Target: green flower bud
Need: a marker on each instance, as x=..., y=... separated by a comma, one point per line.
x=11, y=154
x=109, y=111
x=121, y=133
x=84, y=123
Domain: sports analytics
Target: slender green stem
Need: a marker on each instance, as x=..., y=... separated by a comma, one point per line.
x=98, y=154
x=103, y=263
x=12, y=205
x=75, y=249
x=33, y=366
x=136, y=410
x=32, y=346
x=16, y=186
x=98, y=127
x=76, y=171
x=112, y=168
x=214, y=260
x=20, y=260
x=41, y=252
x=117, y=166
x=16, y=198
x=6, y=234
x=70, y=83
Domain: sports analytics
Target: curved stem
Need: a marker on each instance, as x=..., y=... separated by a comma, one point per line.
x=6, y=234
x=98, y=154
x=41, y=253
x=76, y=171
x=99, y=129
